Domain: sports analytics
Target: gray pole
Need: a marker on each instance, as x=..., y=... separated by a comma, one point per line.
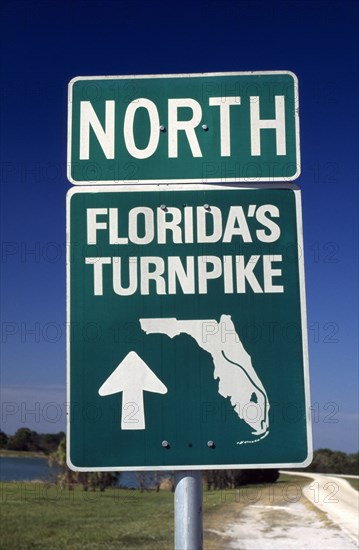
x=188, y=510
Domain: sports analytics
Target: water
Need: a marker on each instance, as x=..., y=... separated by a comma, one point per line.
x=25, y=469
x=29, y=469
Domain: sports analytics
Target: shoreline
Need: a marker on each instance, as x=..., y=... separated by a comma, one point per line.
x=5, y=453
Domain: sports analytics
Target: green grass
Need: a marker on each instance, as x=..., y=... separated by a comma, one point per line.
x=354, y=482
x=40, y=516
x=35, y=515
x=21, y=454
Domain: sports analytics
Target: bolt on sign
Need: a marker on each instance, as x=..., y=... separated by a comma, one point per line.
x=186, y=328
x=199, y=128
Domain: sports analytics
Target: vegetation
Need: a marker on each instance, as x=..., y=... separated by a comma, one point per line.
x=232, y=479
x=42, y=516
x=326, y=461
x=21, y=454
x=27, y=440
x=77, y=512
x=66, y=478
x=3, y=440
x=354, y=482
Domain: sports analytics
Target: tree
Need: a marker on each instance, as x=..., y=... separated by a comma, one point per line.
x=24, y=440
x=327, y=461
x=48, y=443
x=88, y=480
x=232, y=479
x=3, y=440
x=150, y=481
x=57, y=459
x=353, y=464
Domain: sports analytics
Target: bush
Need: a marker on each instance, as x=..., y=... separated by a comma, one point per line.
x=326, y=461
x=232, y=479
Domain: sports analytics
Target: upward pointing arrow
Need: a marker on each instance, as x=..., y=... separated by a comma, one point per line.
x=132, y=377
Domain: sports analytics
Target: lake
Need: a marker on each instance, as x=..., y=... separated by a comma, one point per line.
x=29, y=469
x=25, y=469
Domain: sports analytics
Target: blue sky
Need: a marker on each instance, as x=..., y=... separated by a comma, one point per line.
x=45, y=44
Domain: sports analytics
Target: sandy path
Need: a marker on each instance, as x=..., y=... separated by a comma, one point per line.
x=298, y=525
x=334, y=496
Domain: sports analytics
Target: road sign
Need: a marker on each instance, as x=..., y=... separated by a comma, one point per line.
x=210, y=127
x=186, y=328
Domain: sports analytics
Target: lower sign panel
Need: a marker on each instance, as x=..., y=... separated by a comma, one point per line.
x=186, y=328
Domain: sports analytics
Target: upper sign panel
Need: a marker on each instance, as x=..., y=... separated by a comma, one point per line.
x=190, y=128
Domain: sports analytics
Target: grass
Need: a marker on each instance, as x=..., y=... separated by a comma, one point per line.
x=40, y=516
x=36, y=515
x=354, y=482
x=21, y=454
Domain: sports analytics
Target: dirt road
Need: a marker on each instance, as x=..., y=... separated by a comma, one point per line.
x=335, y=496
x=322, y=515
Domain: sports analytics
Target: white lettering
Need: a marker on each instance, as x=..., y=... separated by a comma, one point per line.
x=202, y=217
x=155, y=275
x=151, y=147
x=188, y=224
x=204, y=275
x=114, y=238
x=274, y=229
x=133, y=229
x=269, y=273
x=236, y=215
x=245, y=273
x=188, y=126
x=224, y=104
x=228, y=274
x=163, y=225
x=185, y=277
x=118, y=288
x=189, y=275
x=93, y=225
x=106, y=138
x=98, y=264
x=277, y=123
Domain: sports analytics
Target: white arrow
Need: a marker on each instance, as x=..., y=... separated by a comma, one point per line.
x=132, y=377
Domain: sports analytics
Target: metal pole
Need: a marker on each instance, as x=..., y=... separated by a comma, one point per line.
x=188, y=510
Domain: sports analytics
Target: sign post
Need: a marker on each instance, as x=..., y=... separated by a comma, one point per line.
x=188, y=510
x=186, y=318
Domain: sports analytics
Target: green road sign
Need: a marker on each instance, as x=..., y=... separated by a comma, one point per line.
x=186, y=328
x=210, y=127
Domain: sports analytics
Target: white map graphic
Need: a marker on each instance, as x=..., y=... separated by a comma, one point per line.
x=233, y=367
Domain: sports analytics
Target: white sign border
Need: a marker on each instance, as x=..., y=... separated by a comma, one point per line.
x=181, y=180
x=164, y=187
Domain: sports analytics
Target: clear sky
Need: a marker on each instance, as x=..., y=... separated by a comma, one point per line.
x=45, y=44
